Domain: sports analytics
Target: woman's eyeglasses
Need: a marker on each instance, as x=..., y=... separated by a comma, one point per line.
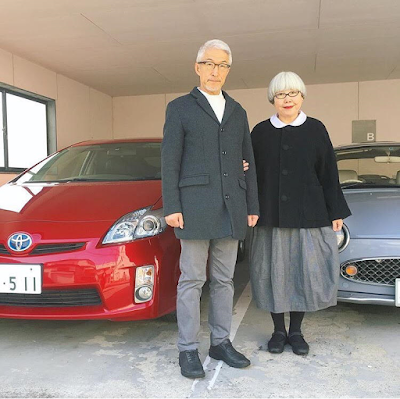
x=292, y=93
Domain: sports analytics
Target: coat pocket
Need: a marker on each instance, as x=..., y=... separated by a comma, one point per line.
x=194, y=180
x=242, y=183
x=314, y=203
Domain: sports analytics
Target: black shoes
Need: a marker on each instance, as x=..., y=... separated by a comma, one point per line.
x=279, y=338
x=190, y=363
x=277, y=342
x=226, y=352
x=299, y=345
x=191, y=366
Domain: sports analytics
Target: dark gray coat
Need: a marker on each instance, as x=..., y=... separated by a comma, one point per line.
x=202, y=170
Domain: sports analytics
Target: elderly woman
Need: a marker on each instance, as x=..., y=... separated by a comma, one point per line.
x=294, y=261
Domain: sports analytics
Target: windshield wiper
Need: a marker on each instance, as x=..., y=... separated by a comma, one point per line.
x=352, y=184
x=58, y=181
x=86, y=179
x=72, y=179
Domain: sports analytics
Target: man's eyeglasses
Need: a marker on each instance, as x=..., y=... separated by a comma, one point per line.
x=211, y=65
x=292, y=93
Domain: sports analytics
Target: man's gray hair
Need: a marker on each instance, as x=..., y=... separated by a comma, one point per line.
x=285, y=81
x=215, y=43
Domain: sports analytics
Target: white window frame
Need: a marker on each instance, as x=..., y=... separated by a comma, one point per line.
x=50, y=123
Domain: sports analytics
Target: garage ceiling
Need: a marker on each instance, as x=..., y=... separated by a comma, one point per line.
x=135, y=47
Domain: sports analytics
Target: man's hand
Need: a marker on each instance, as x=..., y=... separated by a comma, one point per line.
x=337, y=224
x=245, y=165
x=175, y=220
x=252, y=220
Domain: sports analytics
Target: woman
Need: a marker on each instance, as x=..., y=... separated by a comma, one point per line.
x=294, y=256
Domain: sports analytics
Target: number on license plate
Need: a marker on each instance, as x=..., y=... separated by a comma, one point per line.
x=20, y=279
x=397, y=292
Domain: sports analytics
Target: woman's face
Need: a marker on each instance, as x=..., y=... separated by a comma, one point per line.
x=288, y=108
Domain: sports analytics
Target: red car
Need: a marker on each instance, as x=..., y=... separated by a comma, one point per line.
x=82, y=236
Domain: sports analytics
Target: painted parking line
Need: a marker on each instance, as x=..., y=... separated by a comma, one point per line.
x=239, y=312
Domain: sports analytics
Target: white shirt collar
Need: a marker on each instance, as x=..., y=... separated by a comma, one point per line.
x=212, y=96
x=217, y=103
x=276, y=122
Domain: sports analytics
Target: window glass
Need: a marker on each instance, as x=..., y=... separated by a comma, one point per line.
x=26, y=131
x=100, y=162
x=378, y=166
x=1, y=133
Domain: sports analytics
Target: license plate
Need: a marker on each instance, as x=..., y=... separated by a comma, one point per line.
x=20, y=279
x=397, y=292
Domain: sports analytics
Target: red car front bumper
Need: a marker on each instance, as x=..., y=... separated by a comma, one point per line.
x=101, y=279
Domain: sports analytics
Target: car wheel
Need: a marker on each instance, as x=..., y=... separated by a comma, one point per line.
x=241, y=250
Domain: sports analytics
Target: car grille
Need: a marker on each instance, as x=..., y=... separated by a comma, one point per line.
x=44, y=249
x=3, y=250
x=377, y=271
x=53, y=298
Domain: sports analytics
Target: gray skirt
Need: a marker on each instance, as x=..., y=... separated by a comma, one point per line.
x=294, y=269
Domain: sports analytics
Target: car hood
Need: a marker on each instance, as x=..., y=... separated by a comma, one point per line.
x=374, y=212
x=75, y=202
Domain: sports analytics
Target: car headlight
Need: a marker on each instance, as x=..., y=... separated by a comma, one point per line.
x=343, y=238
x=138, y=224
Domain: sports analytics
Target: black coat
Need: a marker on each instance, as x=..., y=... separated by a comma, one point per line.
x=202, y=169
x=298, y=183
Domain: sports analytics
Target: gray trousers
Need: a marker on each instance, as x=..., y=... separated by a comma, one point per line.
x=221, y=255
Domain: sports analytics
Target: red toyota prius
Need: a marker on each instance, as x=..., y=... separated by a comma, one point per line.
x=82, y=236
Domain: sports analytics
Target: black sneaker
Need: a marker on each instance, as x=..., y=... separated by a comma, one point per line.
x=190, y=363
x=226, y=352
x=299, y=345
x=277, y=342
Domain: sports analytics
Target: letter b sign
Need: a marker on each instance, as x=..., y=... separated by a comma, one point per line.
x=364, y=131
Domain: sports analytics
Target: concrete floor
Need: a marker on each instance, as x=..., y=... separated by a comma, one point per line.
x=354, y=352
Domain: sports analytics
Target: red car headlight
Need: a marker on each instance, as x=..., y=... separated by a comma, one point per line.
x=138, y=224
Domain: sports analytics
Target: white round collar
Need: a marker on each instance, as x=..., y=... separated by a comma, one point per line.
x=276, y=122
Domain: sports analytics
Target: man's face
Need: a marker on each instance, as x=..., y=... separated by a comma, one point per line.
x=212, y=79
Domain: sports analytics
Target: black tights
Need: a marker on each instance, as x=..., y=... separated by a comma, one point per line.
x=296, y=319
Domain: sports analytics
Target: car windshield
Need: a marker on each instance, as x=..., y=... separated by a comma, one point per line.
x=99, y=162
x=369, y=166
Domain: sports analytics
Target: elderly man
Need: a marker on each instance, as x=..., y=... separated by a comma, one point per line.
x=209, y=200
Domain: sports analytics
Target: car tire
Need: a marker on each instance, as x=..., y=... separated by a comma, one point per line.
x=241, y=250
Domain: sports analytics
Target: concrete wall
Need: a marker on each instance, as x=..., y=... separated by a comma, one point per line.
x=336, y=105
x=82, y=113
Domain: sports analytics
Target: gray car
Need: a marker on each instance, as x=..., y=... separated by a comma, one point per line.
x=369, y=243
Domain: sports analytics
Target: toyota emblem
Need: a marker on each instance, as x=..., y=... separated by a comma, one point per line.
x=19, y=242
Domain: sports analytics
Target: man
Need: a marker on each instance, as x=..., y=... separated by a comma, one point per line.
x=209, y=200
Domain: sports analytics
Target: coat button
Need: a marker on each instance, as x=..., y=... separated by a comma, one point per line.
x=223, y=152
x=284, y=198
x=222, y=129
x=227, y=196
x=225, y=174
x=285, y=147
x=284, y=172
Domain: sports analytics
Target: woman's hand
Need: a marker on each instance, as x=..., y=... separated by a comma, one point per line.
x=337, y=224
x=174, y=220
x=245, y=165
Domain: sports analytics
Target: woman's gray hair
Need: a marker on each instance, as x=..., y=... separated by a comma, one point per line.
x=215, y=43
x=285, y=81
